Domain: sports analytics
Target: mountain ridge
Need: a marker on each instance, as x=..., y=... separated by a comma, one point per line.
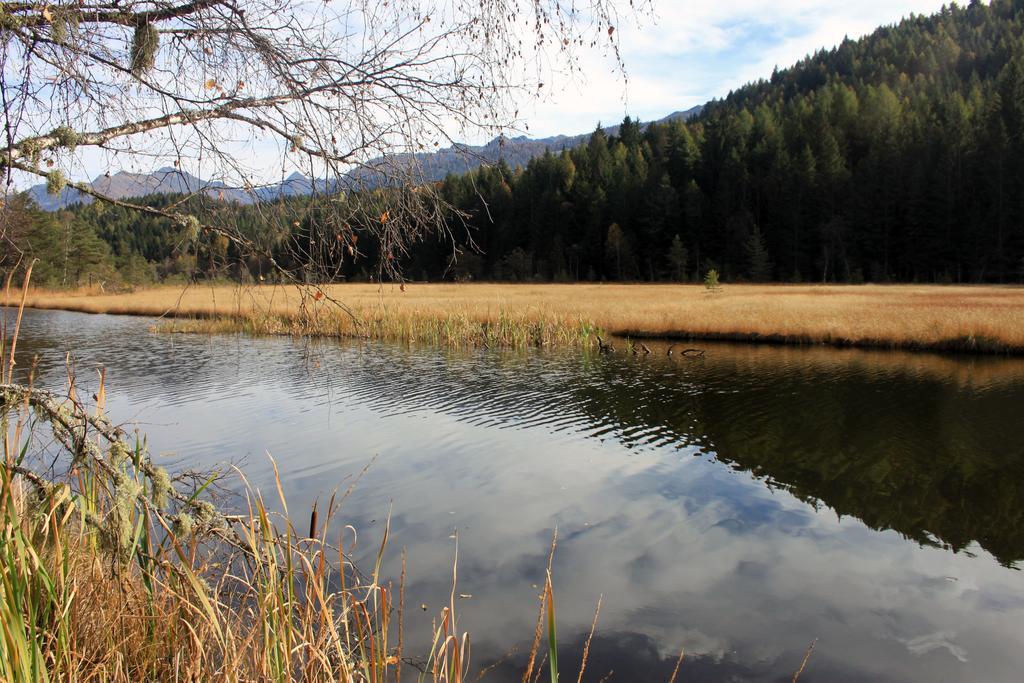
x=458, y=158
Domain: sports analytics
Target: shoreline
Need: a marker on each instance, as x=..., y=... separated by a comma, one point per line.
x=975, y=319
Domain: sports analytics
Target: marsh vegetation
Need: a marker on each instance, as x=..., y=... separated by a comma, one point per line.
x=964, y=318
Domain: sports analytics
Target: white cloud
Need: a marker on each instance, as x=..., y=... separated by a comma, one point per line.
x=695, y=51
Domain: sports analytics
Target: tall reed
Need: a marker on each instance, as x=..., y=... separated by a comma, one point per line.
x=113, y=570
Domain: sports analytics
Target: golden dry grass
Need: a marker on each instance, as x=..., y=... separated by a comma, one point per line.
x=980, y=318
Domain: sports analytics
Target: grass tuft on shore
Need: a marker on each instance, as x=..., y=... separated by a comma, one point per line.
x=451, y=329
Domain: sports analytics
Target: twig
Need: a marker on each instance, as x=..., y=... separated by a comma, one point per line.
x=586, y=646
x=807, y=656
x=679, y=663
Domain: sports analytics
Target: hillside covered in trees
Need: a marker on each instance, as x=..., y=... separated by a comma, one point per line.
x=895, y=157
x=899, y=156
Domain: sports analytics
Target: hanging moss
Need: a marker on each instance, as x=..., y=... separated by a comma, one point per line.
x=66, y=136
x=207, y=515
x=126, y=491
x=64, y=26
x=162, y=488
x=59, y=32
x=183, y=525
x=31, y=150
x=118, y=454
x=192, y=227
x=55, y=182
x=145, y=43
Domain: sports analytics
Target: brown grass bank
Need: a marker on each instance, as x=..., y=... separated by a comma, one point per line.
x=953, y=318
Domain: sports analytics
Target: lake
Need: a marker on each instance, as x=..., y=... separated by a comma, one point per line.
x=740, y=505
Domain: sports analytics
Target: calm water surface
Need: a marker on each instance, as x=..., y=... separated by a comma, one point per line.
x=741, y=505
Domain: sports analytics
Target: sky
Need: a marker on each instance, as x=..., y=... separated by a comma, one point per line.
x=692, y=51
x=685, y=53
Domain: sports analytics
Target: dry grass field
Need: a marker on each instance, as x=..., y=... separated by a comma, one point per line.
x=976, y=318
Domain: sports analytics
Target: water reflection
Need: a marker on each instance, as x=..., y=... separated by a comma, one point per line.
x=740, y=505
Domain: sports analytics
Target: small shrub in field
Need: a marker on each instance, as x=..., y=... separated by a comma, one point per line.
x=711, y=280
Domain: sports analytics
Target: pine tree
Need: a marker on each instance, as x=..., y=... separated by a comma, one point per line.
x=677, y=258
x=759, y=264
x=615, y=245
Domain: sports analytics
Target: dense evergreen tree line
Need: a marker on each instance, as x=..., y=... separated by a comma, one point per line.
x=896, y=157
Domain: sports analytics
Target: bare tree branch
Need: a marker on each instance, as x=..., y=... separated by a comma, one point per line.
x=211, y=85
